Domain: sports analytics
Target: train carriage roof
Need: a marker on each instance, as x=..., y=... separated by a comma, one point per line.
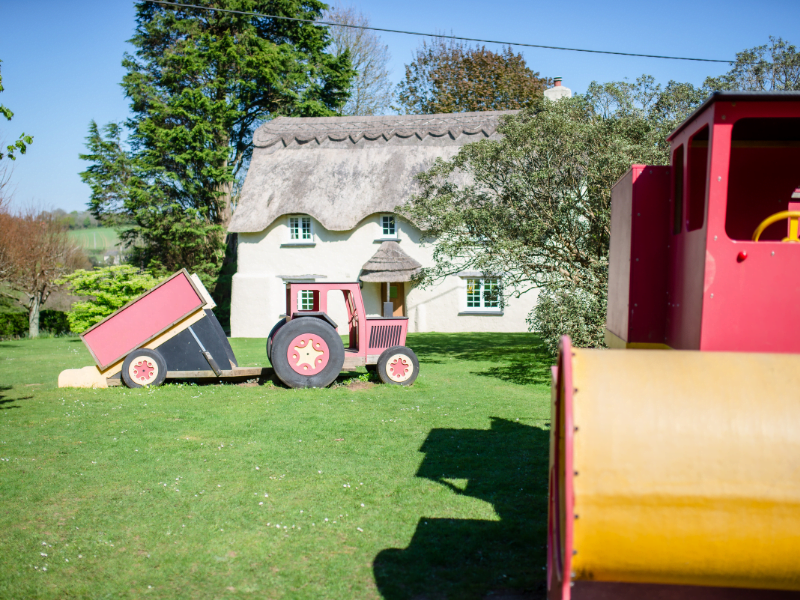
x=735, y=97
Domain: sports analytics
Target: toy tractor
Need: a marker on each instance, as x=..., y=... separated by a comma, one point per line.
x=306, y=351
x=170, y=332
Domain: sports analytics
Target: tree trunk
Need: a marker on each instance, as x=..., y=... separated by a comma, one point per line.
x=33, y=315
x=226, y=202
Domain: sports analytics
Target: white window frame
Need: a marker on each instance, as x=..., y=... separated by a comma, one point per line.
x=305, y=300
x=301, y=226
x=474, y=299
x=382, y=224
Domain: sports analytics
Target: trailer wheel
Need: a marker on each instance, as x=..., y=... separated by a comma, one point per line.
x=143, y=367
x=307, y=352
x=398, y=365
x=271, y=336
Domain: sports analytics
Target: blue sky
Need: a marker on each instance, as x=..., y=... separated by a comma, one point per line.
x=61, y=60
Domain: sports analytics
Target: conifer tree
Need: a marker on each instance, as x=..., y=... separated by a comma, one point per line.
x=200, y=82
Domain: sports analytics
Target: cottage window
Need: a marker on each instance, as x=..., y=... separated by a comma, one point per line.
x=483, y=294
x=300, y=229
x=388, y=226
x=305, y=300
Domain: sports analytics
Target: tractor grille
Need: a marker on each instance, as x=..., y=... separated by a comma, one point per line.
x=384, y=336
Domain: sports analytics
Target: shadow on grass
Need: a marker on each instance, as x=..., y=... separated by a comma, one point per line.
x=518, y=357
x=269, y=376
x=506, y=466
x=4, y=400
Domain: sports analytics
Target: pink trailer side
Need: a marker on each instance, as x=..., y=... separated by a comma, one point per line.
x=141, y=320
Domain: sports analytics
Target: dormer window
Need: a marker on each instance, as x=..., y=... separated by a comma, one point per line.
x=300, y=230
x=388, y=226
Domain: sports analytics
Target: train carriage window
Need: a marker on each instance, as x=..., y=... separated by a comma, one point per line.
x=677, y=190
x=698, y=178
x=764, y=173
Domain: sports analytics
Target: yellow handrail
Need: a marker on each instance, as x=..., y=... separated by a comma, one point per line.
x=792, y=215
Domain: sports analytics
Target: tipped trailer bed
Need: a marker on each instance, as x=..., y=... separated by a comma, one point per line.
x=169, y=332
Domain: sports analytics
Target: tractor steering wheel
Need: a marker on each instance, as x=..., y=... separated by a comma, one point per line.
x=792, y=215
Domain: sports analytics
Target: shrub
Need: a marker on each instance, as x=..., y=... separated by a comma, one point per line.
x=570, y=311
x=55, y=322
x=15, y=324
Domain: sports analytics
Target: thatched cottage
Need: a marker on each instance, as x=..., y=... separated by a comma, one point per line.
x=318, y=204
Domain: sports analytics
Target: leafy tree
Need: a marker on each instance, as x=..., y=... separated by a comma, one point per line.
x=371, y=92
x=449, y=76
x=200, y=82
x=7, y=224
x=21, y=144
x=109, y=289
x=773, y=67
x=536, y=210
x=36, y=251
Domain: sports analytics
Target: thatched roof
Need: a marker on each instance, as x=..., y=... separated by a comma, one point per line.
x=390, y=264
x=340, y=170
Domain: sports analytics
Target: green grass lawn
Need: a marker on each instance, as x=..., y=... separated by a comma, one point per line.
x=247, y=491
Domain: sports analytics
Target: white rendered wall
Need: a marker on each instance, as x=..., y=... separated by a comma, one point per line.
x=259, y=296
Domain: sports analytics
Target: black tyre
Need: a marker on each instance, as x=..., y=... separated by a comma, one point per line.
x=307, y=352
x=271, y=335
x=143, y=368
x=398, y=365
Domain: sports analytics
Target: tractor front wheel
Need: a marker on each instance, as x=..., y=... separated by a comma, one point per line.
x=143, y=368
x=307, y=352
x=398, y=365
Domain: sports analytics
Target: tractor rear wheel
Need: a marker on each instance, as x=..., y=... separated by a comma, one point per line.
x=398, y=365
x=307, y=352
x=143, y=368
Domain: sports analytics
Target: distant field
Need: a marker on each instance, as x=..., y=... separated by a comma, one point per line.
x=100, y=238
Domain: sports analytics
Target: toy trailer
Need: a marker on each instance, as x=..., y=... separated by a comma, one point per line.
x=674, y=459
x=168, y=332
x=306, y=351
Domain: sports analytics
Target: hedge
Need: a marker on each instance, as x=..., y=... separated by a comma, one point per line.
x=15, y=324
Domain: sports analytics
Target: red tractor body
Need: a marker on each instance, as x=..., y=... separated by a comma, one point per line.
x=368, y=337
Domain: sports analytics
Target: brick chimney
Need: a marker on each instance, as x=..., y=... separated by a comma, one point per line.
x=558, y=91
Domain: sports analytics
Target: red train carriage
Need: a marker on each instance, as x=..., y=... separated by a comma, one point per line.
x=675, y=465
